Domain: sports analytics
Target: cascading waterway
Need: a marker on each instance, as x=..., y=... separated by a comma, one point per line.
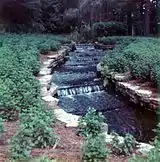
x=80, y=88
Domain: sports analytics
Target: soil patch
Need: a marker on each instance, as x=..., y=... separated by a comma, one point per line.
x=10, y=130
x=69, y=146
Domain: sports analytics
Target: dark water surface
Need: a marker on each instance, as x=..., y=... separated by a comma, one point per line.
x=79, y=88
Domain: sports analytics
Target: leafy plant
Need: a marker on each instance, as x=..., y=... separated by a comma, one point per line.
x=38, y=122
x=34, y=131
x=118, y=40
x=20, y=90
x=19, y=61
x=95, y=149
x=139, y=56
x=124, y=147
x=22, y=144
x=91, y=124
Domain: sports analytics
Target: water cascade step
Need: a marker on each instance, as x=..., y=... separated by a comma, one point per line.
x=80, y=88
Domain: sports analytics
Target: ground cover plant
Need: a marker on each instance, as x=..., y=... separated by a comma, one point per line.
x=139, y=56
x=95, y=149
x=20, y=90
x=91, y=124
x=19, y=61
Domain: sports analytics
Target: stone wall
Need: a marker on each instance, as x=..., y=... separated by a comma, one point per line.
x=138, y=92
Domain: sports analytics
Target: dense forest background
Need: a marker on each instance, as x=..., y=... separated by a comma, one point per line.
x=63, y=16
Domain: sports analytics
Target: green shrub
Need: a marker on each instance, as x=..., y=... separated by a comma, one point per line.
x=20, y=90
x=38, y=122
x=95, y=149
x=115, y=61
x=107, y=40
x=141, y=58
x=109, y=29
x=34, y=131
x=125, y=147
x=118, y=40
x=21, y=144
x=19, y=61
x=91, y=124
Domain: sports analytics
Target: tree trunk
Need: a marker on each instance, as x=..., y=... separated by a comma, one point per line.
x=147, y=17
x=158, y=17
x=129, y=22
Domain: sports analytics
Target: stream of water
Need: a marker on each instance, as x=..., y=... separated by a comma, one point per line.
x=80, y=88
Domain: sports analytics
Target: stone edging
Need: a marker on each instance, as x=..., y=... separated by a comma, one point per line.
x=48, y=89
x=137, y=92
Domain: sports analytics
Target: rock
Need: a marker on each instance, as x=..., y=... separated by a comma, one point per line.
x=62, y=51
x=144, y=148
x=122, y=77
x=47, y=63
x=53, y=56
x=59, y=60
x=52, y=53
x=72, y=124
x=73, y=46
x=65, y=117
x=52, y=105
x=44, y=71
x=99, y=68
x=53, y=89
x=145, y=93
x=155, y=101
x=44, y=80
x=97, y=79
x=44, y=91
x=110, y=137
x=105, y=82
x=49, y=98
x=135, y=91
x=105, y=127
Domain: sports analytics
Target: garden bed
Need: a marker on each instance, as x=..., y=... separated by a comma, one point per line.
x=68, y=150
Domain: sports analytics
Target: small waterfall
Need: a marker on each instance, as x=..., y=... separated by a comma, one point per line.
x=79, y=90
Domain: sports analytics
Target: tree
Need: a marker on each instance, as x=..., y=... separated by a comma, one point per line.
x=158, y=16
